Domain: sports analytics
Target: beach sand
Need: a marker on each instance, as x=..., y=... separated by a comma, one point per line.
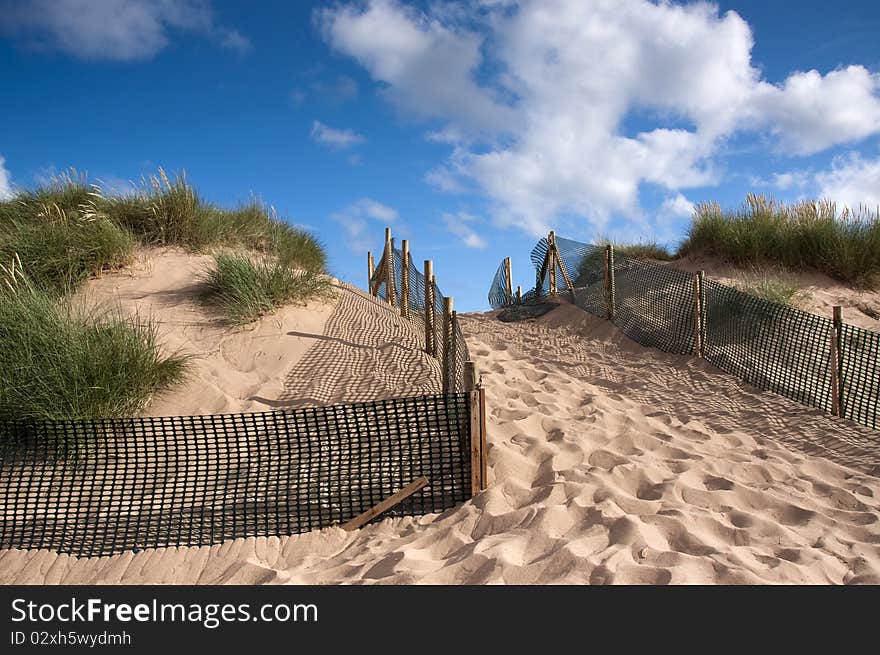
x=608, y=463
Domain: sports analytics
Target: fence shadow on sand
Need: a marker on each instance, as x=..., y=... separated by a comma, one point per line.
x=367, y=352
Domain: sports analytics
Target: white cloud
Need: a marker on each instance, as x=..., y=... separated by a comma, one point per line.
x=811, y=112
x=335, y=138
x=534, y=98
x=676, y=206
x=852, y=181
x=5, y=184
x=356, y=219
x=459, y=224
x=122, y=30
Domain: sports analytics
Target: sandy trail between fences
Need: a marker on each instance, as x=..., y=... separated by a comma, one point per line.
x=609, y=463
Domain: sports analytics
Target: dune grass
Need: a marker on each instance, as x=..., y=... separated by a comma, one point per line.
x=775, y=287
x=69, y=230
x=60, y=233
x=59, y=361
x=243, y=288
x=844, y=245
x=168, y=211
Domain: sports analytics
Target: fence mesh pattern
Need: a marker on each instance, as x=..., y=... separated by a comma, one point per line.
x=417, y=315
x=654, y=304
x=769, y=345
x=100, y=487
x=860, y=375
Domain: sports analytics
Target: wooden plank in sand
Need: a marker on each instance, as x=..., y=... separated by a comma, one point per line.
x=385, y=505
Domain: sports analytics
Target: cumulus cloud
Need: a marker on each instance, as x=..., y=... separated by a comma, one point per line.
x=356, y=218
x=535, y=98
x=461, y=225
x=335, y=139
x=5, y=184
x=852, y=181
x=121, y=30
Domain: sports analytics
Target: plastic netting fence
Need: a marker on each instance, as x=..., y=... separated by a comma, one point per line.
x=767, y=344
x=100, y=487
x=416, y=300
x=860, y=375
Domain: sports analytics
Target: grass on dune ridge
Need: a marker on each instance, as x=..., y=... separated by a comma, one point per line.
x=808, y=234
x=60, y=361
x=68, y=230
x=244, y=288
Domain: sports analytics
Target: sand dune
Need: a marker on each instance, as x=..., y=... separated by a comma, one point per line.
x=609, y=463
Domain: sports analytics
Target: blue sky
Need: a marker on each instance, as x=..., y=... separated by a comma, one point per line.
x=470, y=127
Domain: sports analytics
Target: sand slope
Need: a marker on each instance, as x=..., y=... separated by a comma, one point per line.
x=609, y=463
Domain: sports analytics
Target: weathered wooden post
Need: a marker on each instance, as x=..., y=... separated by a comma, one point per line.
x=404, y=278
x=371, y=269
x=448, y=309
x=519, y=293
x=429, y=308
x=392, y=298
x=609, y=281
x=471, y=376
x=835, y=363
x=388, y=273
x=551, y=252
x=508, y=278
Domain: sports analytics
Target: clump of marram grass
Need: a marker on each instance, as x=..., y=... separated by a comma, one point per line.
x=243, y=288
x=60, y=361
x=69, y=230
x=61, y=234
x=805, y=234
x=775, y=287
x=168, y=211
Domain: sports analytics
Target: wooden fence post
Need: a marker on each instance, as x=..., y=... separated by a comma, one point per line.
x=448, y=309
x=404, y=278
x=519, y=293
x=609, y=281
x=551, y=251
x=388, y=260
x=470, y=376
x=508, y=278
x=371, y=269
x=835, y=363
x=429, y=307
x=392, y=277
x=478, y=441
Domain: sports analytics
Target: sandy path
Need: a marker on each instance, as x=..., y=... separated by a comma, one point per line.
x=609, y=463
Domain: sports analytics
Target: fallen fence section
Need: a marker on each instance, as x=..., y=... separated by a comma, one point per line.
x=100, y=487
x=814, y=360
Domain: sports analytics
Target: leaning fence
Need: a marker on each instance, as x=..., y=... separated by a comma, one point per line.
x=817, y=361
x=100, y=487
x=418, y=298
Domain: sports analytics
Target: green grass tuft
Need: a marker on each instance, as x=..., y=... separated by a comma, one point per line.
x=58, y=361
x=844, y=245
x=243, y=289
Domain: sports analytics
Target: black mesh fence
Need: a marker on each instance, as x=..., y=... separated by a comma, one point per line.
x=860, y=375
x=498, y=295
x=769, y=345
x=92, y=488
x=417, y=316
x=654, y=304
